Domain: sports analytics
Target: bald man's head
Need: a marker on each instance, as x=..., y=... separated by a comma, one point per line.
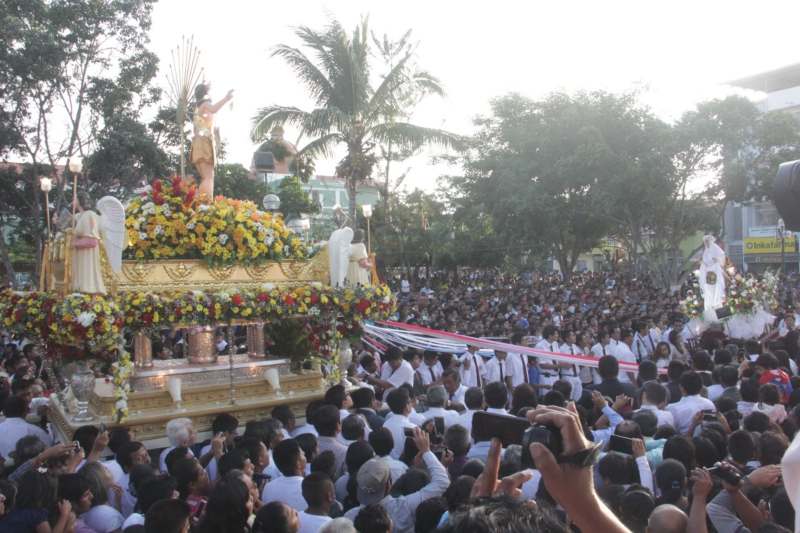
x=667, y=519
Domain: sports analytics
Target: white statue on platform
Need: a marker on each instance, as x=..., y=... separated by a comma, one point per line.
x=711, y=276
x=92, y=229
x=339, y=255
x=358, y=269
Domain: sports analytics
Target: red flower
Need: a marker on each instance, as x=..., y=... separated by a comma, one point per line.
x=18, y=314
x=147, y=318
x=263, y=297
x=362, y=305
x=314, y=298
x=288, y=299
x=156, y=186
x=236, y=300
x=158, y=199
x=176, y=184
x=187, y=201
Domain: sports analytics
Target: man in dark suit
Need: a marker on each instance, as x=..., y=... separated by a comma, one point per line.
x=611, y=387
x=364, y=405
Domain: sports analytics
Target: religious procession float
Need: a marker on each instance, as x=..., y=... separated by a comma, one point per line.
x=173, y=263
x=721, y=296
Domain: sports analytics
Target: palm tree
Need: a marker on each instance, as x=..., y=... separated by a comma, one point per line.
x=349, y=110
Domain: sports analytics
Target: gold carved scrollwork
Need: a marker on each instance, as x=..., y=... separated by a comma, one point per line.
x=291, y=269
x=257, y=272
x=221, y=273
x=136, y=272
x=178, y=272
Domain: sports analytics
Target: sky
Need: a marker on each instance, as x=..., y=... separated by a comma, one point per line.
x=676, y=53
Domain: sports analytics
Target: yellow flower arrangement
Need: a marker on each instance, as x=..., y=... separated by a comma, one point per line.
x=166, y=221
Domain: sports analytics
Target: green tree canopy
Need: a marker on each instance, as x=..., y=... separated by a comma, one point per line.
x=350, y=110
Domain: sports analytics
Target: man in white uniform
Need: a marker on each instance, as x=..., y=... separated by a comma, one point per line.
x=431, y=369
x=623, y=353
x=394, y=372
x=472, y=368
x=451, y=380
x=517, y=364
x=601, y=349
x=570, y=373
x=643, y=342
x=496, y=369
x=548, y=369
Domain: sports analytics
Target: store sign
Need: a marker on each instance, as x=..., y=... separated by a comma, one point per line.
x=768, y=245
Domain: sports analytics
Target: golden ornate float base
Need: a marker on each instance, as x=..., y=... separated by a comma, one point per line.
x=205, y=394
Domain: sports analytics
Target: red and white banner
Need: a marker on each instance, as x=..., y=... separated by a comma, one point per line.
x=410, y=335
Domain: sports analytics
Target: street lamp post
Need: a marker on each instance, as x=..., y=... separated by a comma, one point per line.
x=782, y=237
x=46, y=185
x=271, y=202
x=366, y=209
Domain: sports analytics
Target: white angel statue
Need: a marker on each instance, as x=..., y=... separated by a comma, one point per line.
x=339, y=255
x=711, y=276
x=92, y=229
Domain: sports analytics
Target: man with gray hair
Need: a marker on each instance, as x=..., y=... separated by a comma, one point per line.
x=436, y=400
x=180, y=432
x=339, y=525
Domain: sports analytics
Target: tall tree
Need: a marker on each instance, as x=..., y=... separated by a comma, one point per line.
x=74, y=75
x=537, y=168
x=350, y=111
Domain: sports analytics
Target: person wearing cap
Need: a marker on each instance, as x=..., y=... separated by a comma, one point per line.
x=437, y=399
x=374, y=483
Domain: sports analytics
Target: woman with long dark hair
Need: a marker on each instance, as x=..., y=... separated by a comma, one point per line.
x=229, y=507
x=36, y=507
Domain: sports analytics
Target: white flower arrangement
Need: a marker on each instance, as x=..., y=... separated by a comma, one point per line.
x=86, y=319
x=123, y=369
x=223, y=238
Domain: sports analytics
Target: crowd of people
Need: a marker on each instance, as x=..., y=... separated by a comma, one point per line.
x=699, y=437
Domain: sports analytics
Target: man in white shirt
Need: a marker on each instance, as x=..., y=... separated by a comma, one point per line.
x=471, y=367
x=451, y=379
x=643, y=342
x=400, y=404
x=394, y=372
x=548, y=368
x=437, y=398
x=473, y=400
x=654, y=398
x=622, y=352
x=787, y=324
x=691, y=403
x=291, y=461
x=616, y=337
x=570, y=372
x=374, y=482
x=318, y=493
x=180, y=432
x=431, y=369
x=382, y=443
x=496, y=369
x=15, y=427
x=601, y=348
